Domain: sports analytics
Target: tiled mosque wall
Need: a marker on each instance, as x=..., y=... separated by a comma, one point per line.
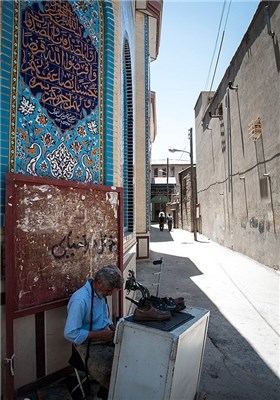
x=58, y=111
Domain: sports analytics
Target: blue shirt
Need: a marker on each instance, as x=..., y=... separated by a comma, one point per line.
x=78, y=320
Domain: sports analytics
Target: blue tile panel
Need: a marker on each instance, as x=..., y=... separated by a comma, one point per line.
x=5, y=79
x=109, y=30
x=58, y=121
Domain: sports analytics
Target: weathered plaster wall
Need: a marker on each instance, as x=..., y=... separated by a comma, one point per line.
x=237, y=174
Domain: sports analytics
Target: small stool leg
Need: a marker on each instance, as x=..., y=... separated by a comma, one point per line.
x=80, y=385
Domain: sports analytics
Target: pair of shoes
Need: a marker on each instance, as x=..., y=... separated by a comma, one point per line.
x=157, y=303
x=163, y=304
x=150, y=313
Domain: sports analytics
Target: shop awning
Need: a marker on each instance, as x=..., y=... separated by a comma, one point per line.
x=159, y=199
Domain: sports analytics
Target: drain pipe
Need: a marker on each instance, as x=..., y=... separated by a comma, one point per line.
x=229, y=144
x=267, y=21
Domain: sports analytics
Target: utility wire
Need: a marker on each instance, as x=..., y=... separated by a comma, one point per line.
x=220, y=48
x=219, y=52
x=183, y=154
x=218, y=57
x=221, y=44
x=216, y=43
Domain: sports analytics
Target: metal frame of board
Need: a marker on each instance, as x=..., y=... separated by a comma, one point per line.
x=12, y=243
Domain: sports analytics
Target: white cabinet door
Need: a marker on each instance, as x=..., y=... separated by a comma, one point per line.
x=152, y=364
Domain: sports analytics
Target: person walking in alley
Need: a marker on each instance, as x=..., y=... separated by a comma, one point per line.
x=161, y=213
x=169, y=219
x=89, y=326
x=161, y=221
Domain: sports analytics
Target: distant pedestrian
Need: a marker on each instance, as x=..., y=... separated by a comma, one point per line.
x=169, y=219
x=161, y=221
x=161, y=213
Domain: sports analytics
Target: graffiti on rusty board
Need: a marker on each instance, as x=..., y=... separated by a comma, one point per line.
x=68, y=247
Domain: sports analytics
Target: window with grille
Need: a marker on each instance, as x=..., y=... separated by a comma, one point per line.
x=128, y=189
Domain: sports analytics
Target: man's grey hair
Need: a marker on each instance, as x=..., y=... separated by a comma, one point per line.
x=110, y=275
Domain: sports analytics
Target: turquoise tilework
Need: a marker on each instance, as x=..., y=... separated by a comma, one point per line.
x=109, y=31
x=5, y=79
x=64, y=109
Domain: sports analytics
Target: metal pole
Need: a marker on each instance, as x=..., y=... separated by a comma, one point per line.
x=181, y=201
x=167, y=180
x=193, y=196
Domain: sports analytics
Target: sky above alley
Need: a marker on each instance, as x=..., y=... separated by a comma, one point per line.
x=191, y=37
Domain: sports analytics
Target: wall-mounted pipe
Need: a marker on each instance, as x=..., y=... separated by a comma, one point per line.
x=267, y=21
x=215, y=115
x=229, y=144
x=231, y=87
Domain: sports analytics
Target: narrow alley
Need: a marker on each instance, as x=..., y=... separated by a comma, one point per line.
x=241, y=359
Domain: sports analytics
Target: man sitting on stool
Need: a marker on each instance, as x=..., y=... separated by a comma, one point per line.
x=89, y=325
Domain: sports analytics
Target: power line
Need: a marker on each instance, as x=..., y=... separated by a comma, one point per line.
x=220, y=48
x=221, y=44
x=216, y=43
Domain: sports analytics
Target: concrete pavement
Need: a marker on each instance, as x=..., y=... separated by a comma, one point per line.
x=242, y=355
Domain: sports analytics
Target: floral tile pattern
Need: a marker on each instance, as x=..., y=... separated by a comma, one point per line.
x=58, y=112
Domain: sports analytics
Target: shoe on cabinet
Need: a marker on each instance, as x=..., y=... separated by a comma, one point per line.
x=151, y=313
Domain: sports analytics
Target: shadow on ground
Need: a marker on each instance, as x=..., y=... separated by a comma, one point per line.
x=232, y=370
x=161, y=236
x=165, y=236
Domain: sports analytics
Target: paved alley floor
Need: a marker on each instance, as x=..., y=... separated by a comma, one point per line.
x=242, y=353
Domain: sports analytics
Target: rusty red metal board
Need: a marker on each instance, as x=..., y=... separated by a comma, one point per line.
x=57, y=234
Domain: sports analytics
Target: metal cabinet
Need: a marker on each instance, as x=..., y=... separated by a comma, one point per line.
x=155, y=364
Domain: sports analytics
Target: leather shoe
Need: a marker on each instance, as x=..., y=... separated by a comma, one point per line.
x=151, y=313
x=158, y=303
x=179, y=303
x=180, y=300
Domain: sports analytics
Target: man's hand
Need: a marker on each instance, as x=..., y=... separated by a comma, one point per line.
x=108, y=334
x=104, y=335
x=112, y=327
